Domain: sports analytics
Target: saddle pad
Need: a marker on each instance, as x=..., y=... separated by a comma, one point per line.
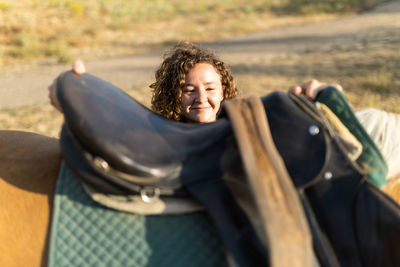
x=83, y=233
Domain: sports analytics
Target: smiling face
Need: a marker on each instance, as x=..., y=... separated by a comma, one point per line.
x=202, y=94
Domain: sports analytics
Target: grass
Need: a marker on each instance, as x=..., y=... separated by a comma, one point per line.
x=318, y=6
x=370, y=76
x=32, y=29
x=380, y=80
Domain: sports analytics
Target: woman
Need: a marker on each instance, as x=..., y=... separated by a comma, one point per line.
x=191, y=84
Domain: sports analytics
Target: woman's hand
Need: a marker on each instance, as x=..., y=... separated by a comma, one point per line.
x=311, y=88
x=78, y=68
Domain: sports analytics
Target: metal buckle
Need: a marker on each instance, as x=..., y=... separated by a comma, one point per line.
x=150, y=194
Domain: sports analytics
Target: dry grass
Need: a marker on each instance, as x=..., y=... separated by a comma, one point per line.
x=32, y=29
x=370, y=75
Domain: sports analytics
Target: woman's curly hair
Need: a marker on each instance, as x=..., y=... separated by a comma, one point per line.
x=171, y=76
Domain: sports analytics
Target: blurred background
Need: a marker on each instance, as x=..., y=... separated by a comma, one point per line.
x=269, y=44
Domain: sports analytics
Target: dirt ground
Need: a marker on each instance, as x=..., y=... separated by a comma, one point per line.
x=360, y=52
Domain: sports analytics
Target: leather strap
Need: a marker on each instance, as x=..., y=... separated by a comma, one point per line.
x=284, y=224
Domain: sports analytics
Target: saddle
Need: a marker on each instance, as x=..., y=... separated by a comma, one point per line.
x=108, y=134
x=118, y=147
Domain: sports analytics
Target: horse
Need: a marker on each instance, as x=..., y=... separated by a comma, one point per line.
x=29, y=169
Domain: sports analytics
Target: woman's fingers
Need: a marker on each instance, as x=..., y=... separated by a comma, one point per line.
x=297, y=90
x=339, y=87
x=311, y=88
x=308, y=88
x=78, y=67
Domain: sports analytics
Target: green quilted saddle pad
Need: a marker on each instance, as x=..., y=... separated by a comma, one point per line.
x=83, y=233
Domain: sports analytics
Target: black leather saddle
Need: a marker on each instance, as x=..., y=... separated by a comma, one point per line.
x=110, y=134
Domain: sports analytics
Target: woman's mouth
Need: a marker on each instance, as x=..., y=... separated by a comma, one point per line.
x=200, y=108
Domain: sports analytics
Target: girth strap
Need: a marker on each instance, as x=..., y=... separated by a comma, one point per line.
x=284, y=224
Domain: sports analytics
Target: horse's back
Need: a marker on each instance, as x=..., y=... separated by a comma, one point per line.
x=28, y=174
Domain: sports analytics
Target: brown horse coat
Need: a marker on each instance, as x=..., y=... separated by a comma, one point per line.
x=29, y=165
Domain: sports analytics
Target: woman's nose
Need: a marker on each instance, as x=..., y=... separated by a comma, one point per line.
x=202, y=95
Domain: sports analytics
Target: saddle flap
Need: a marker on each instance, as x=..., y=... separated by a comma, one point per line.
x=300, y=137
x=376, y=223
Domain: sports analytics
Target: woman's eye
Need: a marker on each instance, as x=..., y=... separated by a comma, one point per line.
x=210, y=89
x=188, y=91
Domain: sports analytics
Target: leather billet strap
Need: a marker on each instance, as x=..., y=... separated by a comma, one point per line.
x=284, y=224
